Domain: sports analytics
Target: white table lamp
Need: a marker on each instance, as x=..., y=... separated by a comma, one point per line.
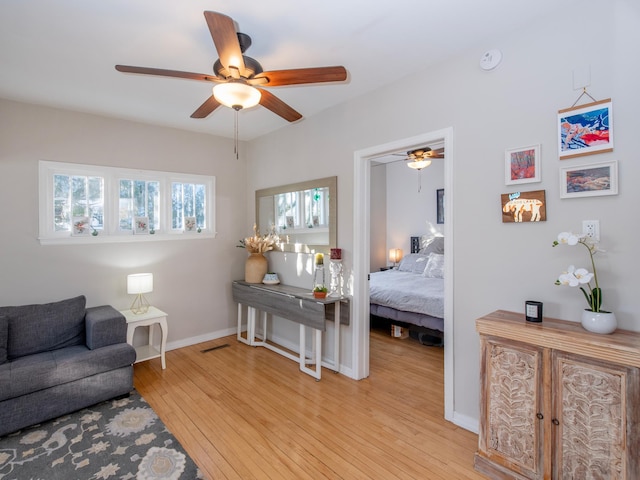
x=137, y=284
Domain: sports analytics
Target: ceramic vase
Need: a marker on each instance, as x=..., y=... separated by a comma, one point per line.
x=255, y=268
x=599, y=322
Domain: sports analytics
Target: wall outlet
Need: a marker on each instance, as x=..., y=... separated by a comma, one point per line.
x=591, y=228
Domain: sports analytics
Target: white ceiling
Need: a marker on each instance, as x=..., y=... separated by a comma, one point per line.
x=62, y=53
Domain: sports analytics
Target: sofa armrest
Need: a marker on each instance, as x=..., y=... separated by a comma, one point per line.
x=105, y=326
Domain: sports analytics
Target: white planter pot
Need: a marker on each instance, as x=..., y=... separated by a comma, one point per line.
x=599, y=322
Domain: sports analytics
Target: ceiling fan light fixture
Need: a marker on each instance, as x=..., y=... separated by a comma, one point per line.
x=419, y=164
x=236, y=95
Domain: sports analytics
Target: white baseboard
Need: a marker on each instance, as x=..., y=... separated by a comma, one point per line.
x=187, y=342
x=466, y=422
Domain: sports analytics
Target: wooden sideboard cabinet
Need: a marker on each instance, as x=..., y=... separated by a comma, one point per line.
x=557, y=402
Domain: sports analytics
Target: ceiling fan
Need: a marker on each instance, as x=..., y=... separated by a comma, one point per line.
x=239, y=78
x=421, y=157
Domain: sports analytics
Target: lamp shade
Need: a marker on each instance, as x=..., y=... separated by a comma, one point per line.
x=395, y=255
x=236, y=95
x=419, y=164
x=139, y=283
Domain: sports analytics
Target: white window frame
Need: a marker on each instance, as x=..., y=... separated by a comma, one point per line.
x=112, y=176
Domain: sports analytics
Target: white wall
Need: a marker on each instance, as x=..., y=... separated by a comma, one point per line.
x=378, y=251
x=496, y=265
x=411, y=202
x=191, y=278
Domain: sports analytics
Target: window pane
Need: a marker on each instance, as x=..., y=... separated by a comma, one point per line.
x=188, y=200
x=77, y=196
x=61, y=203
x=139, y=198
x=96, y=202
x=176, y=206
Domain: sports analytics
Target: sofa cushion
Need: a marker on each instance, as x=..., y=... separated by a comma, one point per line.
x=47, y=369
x=44, y=327
x=4, y=338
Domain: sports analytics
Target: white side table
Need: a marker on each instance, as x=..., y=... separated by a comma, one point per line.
x=152, y=318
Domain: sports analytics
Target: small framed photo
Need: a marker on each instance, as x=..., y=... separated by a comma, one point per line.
x=522, y=165
x=590, y=180
x=290, y=223
x=80, y=226
x=585, y=130
x=524, y=207
x=190, y=224
x=440, y=205
x=141, y=225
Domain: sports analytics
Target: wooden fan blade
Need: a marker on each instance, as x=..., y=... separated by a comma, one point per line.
x=303, y=75
x=277, y=106
x=209, y=105
x=168, y=73
x=225, y=38
x=437, y=153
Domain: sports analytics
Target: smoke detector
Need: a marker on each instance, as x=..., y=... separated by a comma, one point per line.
x=491, y=59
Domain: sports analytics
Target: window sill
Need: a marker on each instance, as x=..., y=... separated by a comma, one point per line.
x=101, y=239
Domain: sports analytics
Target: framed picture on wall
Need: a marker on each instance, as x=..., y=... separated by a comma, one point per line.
x=585, y=130
x=522, y=165
x=589, y=180
x=440, y=205
x=524, y=207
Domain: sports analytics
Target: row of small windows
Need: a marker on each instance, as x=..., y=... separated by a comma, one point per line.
x=80, y=204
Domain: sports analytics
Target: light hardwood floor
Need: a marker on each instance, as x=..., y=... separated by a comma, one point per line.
x=243, y=413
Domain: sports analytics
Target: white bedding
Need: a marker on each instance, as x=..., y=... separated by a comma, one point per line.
x=407, y=291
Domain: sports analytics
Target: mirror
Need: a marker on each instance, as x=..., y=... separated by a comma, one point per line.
x=303, y=214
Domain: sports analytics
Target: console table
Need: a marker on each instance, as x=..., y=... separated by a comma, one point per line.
x=295, y=304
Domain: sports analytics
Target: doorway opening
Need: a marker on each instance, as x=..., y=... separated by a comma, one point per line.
x=362, y=226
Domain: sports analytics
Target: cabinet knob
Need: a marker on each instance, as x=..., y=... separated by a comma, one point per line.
x=539, y=416
x=555, y=421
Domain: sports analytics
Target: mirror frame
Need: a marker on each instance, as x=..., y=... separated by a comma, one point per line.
x=332, y=184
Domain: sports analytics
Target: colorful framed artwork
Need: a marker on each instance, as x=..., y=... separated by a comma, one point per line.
x=80, y=226
x=190, y=224
x=522, y=165
x=440, y=205
x=524, y=207
x=585, y=130
x=141, y=225
x=591, y=180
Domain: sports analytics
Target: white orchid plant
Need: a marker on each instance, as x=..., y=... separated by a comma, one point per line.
x=574, y=277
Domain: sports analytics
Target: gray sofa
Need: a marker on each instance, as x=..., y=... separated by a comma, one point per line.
x=60, y=357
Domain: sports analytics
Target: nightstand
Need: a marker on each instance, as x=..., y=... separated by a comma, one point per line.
x=152, y=318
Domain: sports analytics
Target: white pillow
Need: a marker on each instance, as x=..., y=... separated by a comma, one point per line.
x=435, y=266
x=430, y=244
x=413, y=262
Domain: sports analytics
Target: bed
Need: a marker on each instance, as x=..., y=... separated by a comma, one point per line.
x=412, y=295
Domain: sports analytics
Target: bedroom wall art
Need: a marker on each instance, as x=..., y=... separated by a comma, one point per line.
x=440, y=205
x=585, y=129
x=524, y=207
x=522, y=165
x=589, y=180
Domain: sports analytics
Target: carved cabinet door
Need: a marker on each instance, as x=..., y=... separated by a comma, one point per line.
x=512, y=389
x=596, y=419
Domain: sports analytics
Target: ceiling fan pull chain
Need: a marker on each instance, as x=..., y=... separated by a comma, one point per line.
x=419, y=180
x=235, y=135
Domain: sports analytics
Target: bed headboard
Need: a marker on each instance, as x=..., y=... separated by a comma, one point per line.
x=415, y=244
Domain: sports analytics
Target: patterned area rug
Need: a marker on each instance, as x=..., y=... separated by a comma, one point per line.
x=117, y=439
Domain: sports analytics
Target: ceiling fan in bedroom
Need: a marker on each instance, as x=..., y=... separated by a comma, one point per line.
x=239, y=79
x=421, y=157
